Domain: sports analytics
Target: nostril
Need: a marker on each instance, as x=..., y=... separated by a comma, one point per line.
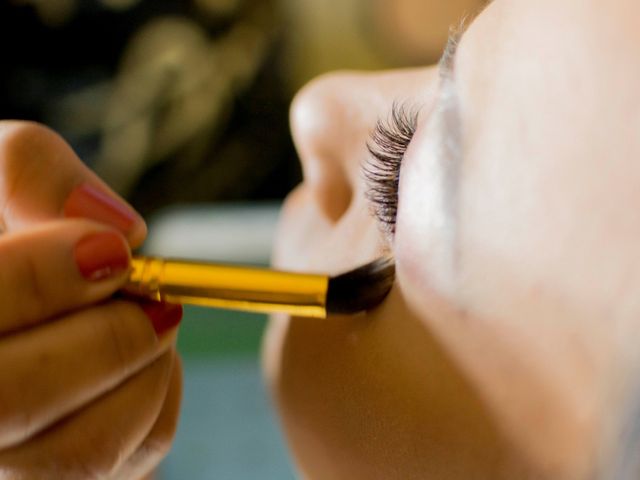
x=333, y=193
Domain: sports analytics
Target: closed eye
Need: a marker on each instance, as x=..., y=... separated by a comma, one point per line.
x=387, y=145
x=391, y=138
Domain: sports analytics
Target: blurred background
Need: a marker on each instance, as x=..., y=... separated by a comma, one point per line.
x=182, y=107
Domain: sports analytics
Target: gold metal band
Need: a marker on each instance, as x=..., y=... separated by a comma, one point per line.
x=231, y=287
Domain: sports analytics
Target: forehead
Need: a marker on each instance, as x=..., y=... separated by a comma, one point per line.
x=550, y=95
x=578, y=54
x=550, y=100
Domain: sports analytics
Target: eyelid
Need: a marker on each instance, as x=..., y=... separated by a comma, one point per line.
x=387, y=146
x=391, y=138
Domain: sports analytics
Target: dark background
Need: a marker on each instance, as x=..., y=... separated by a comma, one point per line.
x=186, y=101
x=69, y=70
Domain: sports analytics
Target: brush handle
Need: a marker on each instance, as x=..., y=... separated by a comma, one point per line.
x=230, y=287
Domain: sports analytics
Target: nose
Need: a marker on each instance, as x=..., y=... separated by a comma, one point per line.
x=326, y=126
x=331, y=120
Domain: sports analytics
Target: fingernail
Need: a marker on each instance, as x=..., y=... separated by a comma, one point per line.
x=101, y=255
x=86, y=201
x=163, y=316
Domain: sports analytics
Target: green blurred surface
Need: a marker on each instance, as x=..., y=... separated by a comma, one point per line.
x=227, y=427
x=214, y=333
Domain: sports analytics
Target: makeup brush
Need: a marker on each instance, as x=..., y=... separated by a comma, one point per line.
x=260, y=289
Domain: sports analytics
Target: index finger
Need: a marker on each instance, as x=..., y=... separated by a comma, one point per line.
x=41, y=178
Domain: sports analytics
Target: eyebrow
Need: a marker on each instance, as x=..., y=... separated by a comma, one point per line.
x=447, y=61
x=450, y=136
x=449, y=141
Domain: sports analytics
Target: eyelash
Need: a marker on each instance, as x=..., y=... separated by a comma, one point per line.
x=387, y=145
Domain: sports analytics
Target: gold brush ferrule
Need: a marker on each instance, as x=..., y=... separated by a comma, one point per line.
x=231, y=287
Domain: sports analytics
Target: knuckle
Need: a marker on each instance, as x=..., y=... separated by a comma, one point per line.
x=27, y=151
x=128, y=338
x=81, y=459
x=155, y=447
x=34, y=287
x=121, y=346
x=16, y=419
x=25, y=290
x=22, y=145
x=21, y=135
x=70, y=465
x=71, y=468
x=158, y=444
x=163, y=433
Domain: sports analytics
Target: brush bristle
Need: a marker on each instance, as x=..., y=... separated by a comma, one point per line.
x=361, y=289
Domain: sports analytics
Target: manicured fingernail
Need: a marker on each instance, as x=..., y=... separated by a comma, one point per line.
x=86, y=201
x=101, y=255
x=163, y=316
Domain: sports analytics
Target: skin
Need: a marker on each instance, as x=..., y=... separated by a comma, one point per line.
x=507, y=349
x=89, y=390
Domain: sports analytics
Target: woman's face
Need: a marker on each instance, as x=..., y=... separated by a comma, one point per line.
x=508, y=342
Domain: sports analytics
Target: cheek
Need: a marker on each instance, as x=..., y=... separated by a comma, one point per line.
x=523, y=348
x=376, y=397
x=546, y=272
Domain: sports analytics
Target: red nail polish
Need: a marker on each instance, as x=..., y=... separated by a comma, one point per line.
x=101, y=255
x=86, y=201
x=163, y=316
